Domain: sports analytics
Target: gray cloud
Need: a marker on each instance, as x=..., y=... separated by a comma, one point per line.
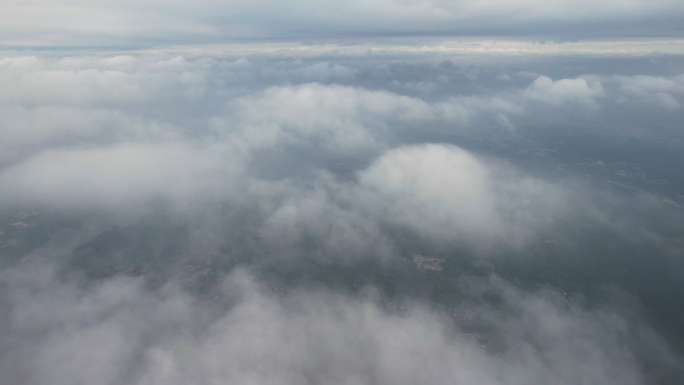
x=132, y=23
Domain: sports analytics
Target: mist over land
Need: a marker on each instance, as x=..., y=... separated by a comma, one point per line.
x=316, y=200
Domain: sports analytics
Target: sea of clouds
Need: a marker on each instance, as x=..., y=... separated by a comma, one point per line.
x=112, y=138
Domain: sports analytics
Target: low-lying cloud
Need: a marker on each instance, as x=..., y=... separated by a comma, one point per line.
x=117, y=333
x=279, y=219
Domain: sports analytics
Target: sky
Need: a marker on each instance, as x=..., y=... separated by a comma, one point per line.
x=231, y=192
x=151, y=23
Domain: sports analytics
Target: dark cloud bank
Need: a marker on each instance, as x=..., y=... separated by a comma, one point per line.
x=314, y=219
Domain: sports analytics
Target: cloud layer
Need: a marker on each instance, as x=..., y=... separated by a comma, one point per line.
x=117, y=333
x=212, y=218
x=127, y=23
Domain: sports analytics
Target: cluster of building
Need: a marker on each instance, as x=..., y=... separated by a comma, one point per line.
x=13, y=227
x=428, y=263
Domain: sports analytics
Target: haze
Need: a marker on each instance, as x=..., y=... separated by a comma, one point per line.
x=378, y=192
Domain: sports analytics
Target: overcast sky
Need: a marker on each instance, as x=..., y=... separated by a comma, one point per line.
x=151, y=22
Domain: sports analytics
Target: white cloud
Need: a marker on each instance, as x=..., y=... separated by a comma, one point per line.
x=446, y=193
x=344, y=120
x=44, y=124
x=119, y=175
x=559, y=92
x=308, y=217
x=76, y=115
x=118, y=333
x=651, y=89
